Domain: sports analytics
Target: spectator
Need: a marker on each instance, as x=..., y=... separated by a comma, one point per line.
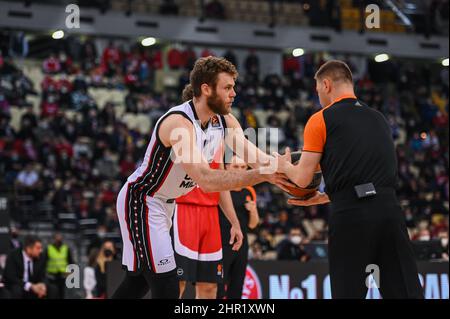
x=252, y=65
x=188, y=58
x=89, y=278
x=106, y=254
x=230, y=56
x=127, y=166
x=18, y=45
x=291, y=65
x=174, y=58
x=264, y=240
x=107, y=165
x=58, y=258
x=51, y=65
x=28, y=180
x=214, y=9
x=291, y=248
x=283, y=224
x=206, y=53
x=110, y=59
x=4, y=104
x=168, y=7
x=255, y=252
x=24, y=276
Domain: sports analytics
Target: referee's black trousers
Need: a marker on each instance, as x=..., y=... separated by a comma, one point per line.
x=371, y=231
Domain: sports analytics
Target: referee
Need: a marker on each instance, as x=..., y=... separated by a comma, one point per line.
x=353, y=145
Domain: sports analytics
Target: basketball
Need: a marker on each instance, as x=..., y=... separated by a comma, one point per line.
x=309, y=191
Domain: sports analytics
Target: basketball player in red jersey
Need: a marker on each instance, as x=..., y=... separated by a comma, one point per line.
x=196, y=229
x=176, y=160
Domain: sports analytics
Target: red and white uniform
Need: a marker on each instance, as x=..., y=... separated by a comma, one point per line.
x=146, y=202
x=196, y=225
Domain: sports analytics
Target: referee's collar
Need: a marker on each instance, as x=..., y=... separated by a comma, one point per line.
x=343, y=97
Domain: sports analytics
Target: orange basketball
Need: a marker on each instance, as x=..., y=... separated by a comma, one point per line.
x=310, y=190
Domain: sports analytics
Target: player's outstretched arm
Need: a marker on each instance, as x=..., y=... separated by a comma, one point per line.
x=178, y=132
x=241, y=146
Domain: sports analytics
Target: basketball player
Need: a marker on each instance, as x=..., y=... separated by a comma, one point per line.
x=176, y=161
x=197, y=239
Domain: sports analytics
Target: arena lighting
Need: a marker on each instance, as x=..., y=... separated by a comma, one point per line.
x=148, y=41
x=381, y=58
x=59, y=34
x=298, y=52
x=445, y=62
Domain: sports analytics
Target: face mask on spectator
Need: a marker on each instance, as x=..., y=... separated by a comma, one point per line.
x=296, y=240
x=424, y=238
x=108, y=253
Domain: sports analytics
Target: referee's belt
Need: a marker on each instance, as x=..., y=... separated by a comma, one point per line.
x=351, y=194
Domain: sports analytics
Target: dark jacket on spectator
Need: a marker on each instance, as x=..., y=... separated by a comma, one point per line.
x=13, y=274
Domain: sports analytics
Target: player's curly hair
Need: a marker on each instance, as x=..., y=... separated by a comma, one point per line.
x=206, y=70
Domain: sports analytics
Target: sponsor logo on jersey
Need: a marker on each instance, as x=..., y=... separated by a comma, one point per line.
x=163, y=262
x=215, y=121
x=187, y=182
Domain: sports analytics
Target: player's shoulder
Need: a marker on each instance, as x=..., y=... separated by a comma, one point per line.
x=177, y=114
x=177, y=118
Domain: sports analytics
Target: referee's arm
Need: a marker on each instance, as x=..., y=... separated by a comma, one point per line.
x=302, y=173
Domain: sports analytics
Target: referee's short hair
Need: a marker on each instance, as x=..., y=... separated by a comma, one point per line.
x=335, y=70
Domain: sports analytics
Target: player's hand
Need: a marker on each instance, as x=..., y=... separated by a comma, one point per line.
x=317, y=199
x=236, y=237
x=279, y=179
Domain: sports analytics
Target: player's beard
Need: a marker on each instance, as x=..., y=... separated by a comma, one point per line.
x=217, y=105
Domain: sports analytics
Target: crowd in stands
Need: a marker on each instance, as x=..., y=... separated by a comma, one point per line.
x=77, y=164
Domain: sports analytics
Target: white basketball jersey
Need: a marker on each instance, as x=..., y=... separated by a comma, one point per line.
x=158, y=176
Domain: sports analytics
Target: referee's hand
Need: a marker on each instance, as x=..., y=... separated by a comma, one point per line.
x=317, y=199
